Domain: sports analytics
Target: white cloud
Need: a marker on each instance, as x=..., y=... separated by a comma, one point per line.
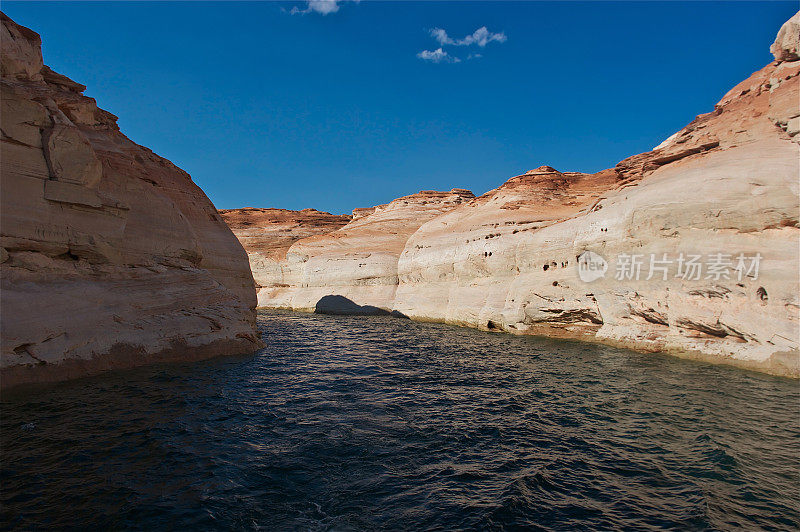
x=437, y=56
x=441, y=36
x=481, y=37
x=323, y=7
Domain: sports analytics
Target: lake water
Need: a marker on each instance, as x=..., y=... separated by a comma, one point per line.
x=363, y=423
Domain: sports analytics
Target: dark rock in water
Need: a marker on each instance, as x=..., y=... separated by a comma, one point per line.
x=335, y=304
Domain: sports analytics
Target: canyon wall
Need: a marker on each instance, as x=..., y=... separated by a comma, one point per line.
x=691, y=248
x=111, y=256
x=357, y=262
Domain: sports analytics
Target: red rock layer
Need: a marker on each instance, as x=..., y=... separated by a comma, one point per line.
x=271, y=232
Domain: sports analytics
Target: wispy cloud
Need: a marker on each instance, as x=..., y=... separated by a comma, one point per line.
x=438, y=56
x=322, y=7
x=481, y=37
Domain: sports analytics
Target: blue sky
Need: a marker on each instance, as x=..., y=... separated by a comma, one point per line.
x=268, y=108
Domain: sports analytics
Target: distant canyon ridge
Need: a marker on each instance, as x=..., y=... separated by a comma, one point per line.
x=698, y=238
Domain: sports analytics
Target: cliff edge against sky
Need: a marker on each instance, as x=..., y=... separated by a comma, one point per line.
x=696, y=243
x=111, y=256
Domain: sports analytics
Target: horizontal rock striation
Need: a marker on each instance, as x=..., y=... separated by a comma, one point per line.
x=269, y=233
x=111, y=256
x=722, y=193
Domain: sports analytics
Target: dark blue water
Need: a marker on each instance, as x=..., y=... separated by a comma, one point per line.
x=346, y=423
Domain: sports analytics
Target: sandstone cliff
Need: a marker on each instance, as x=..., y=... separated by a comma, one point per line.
x=357, y=262
x=111, y=256
x=722, y=192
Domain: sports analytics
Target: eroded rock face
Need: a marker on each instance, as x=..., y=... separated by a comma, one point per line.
x=267, y=235
x=111, y=256
x=787, y=44
x=725, y=186
x=270, y=232
x=22, y=52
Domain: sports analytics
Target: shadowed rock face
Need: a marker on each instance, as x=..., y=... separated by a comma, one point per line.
x=508, y=260
x=111, y=256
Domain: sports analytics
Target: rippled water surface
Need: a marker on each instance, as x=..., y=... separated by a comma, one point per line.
x=362, y=423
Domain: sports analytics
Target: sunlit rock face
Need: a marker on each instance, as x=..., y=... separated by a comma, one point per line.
x=787, y=44
x=725, y=184
x=111, y=256
x=722, y=193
